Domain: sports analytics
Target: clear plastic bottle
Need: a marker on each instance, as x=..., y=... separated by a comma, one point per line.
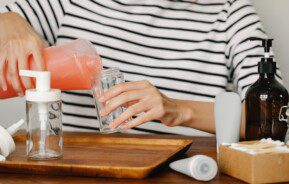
x=44, y=123
x=44, y=138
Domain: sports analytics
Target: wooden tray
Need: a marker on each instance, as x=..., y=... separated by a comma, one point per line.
x=99, y=155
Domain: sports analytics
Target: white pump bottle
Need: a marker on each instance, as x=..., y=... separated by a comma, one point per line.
x=42, y=95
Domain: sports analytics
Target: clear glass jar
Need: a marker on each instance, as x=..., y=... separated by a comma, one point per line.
x=109, y=77
x=44, y=130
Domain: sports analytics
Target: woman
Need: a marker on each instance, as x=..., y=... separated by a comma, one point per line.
x=176, y=55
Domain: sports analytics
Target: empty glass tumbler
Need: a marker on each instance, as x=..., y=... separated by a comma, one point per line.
x=44, y=130
x=109, y=77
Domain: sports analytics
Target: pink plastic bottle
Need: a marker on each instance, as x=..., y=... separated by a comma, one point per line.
x=73, y=66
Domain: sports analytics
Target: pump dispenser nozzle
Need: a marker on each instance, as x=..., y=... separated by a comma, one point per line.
x=267, y=44
x=42, y=79
x=266, y=65
x=42, y=85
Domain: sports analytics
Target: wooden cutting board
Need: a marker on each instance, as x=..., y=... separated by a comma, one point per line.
x=99, y=155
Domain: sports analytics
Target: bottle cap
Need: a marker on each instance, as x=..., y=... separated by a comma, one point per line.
x=203, y=168
x=200, y=167
x=42, y=93
x=7, y=144
x=2, y=159
x=267, y=66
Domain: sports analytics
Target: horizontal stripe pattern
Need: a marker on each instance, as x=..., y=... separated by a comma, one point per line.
x=190, y=50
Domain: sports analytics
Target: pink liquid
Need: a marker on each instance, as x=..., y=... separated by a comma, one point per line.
x=73, y=66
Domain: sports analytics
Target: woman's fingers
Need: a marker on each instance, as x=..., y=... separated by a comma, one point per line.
x=121, y=100
x=13, y=74
x=143, y=118
x=38, y=57
x=2, y=72
x=23, y=65
x=128, y=113
x=142, y=96
x=122, y=87
x=19, y=40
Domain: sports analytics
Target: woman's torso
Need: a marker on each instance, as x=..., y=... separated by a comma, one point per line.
x=179, y=46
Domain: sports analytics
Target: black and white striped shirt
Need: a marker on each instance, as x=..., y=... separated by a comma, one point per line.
x=188, y=49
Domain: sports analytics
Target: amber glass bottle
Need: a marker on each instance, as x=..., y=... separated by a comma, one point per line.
x=264, y=100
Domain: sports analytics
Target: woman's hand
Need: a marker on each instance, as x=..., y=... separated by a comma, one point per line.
x=18, y=40
x=142, y=97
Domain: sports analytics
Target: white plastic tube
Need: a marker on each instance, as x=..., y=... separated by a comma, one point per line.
x=199, y=167
x=228, y=114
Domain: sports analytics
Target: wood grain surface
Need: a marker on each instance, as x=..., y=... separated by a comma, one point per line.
x=99, y=155
x=201, y=145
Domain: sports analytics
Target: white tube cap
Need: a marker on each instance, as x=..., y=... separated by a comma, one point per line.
x=200, y=167
x=7, y=144
x=2, y=159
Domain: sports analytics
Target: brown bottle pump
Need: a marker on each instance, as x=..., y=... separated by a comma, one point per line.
x=264, y=101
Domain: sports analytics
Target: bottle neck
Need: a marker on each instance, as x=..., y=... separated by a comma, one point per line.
x=267, y=76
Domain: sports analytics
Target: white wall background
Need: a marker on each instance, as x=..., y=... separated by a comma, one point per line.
x=274, y=15
x=275, y=18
